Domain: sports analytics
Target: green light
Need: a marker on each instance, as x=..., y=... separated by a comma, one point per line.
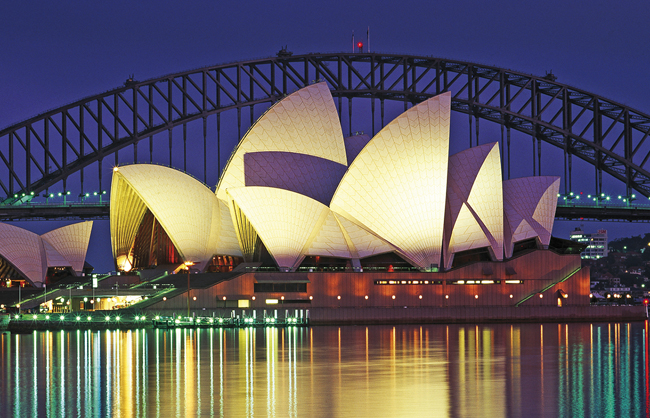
x=157, y=317
x=78, y=318
x=23, y=194
x=104, y=192
x=220, y=320
x=87, y=194
x=34, y=316
x=589, y=196
x=633, y=196
x=31, y=193
x=108, y=318
x=571, y=194
x=60, y=194
x=62, y=317
x=51, y=194
x=47, y=317
x=602, y=195
x=94, y=193
x=619, y=196
x=17, y=316
x=607, y=197
x=143, y=318
x=117, y=318
x=67, y=192
x=88, y=318
x=15, y=195
x=558, y=195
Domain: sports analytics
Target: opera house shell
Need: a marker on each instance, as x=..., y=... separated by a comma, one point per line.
x=26, y=256
x=295, y=189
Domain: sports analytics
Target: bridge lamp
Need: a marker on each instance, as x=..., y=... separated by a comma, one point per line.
x=94, y=193
x=619, y=196
x=60, y=194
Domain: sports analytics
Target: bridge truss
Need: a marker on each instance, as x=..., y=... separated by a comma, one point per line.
x=74, y=147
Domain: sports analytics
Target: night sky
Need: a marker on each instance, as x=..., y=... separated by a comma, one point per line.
x=56, y=52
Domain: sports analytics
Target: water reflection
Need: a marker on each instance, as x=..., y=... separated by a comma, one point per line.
x=580, y=370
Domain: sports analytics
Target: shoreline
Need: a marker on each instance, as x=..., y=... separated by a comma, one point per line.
x=244, y=318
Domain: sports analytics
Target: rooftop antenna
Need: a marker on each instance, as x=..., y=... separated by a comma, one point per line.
x=368, y=39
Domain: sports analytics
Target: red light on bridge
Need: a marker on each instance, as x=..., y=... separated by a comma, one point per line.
x=645, y=302
x=359, y=45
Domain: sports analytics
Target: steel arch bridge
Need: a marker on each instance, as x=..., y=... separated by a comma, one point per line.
x=83, y=140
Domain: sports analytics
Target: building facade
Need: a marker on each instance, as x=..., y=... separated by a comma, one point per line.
x=596, y=243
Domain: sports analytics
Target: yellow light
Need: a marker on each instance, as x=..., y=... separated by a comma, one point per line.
x=282, y=297
x=253, y=298
x=420, y=296
x=116, y=169
x=461, y=282
x=446, y=296
x=511, y=296
x=475, y=296
x=339, y=297
x=366, y=297
x=487, y=281
x=541, y=296
x=164, y=298
x=224, y=298
x=189, y=263
x=311, y=298
x=194, y=298
x=393, y=296
x=271, y=301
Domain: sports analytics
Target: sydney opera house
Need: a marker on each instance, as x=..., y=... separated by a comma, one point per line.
x=311, y=218
x=36, y=260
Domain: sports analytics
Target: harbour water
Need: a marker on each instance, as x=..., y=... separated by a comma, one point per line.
x=531, y=370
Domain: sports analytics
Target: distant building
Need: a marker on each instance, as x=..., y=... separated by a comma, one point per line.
x=596, y=243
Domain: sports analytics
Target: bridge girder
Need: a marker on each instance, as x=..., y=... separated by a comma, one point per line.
x=42, y=151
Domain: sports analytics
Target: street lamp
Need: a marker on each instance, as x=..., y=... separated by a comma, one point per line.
x=187, y=267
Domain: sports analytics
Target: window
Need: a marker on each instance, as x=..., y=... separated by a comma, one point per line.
x=280, y=287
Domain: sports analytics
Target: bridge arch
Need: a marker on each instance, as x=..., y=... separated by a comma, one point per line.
x=43, y=152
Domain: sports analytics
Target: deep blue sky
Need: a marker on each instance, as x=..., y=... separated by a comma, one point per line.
x=56, y=52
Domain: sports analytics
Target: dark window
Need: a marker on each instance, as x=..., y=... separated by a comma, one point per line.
x=280, y=287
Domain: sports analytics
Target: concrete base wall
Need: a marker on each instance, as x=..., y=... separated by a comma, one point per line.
x=456, y=315
x=450, y=315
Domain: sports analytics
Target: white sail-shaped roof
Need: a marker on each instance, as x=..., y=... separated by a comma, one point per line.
x=305, y=122
x=54, y=258
x=186, y=209
x=286, y=222
x=329, y=240
x=71, y=242
x=361, y=242
x=25, y=252
x=474, y=216
x=396, y=186
x=529, y=207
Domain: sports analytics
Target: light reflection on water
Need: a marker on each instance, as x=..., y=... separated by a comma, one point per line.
x=582, y=370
